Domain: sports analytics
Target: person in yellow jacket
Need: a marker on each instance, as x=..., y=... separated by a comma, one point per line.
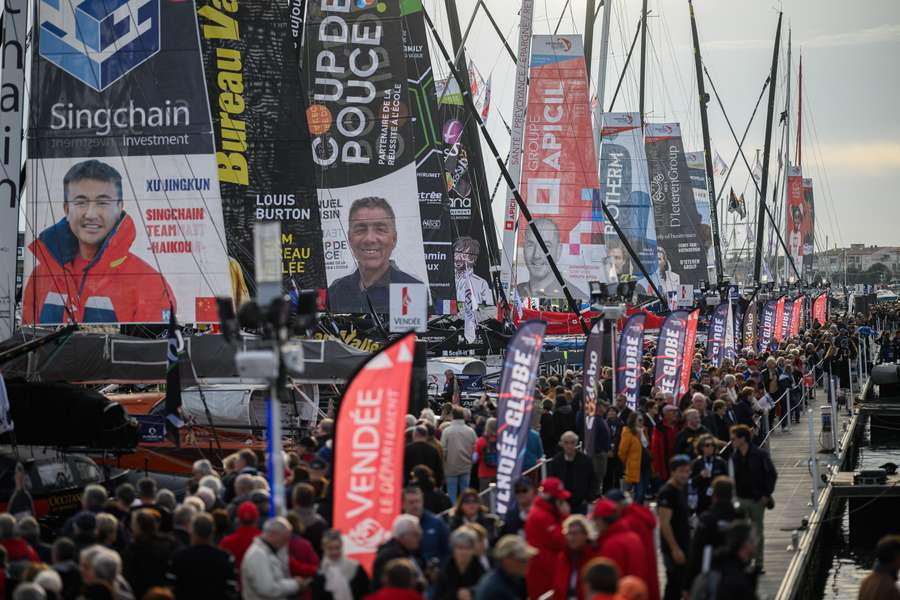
x=635, y=455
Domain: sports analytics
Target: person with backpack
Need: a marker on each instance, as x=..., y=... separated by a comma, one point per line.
x=486, y=455
x=754, y=482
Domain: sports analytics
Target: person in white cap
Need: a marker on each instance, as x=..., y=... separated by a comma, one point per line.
x=507, y=580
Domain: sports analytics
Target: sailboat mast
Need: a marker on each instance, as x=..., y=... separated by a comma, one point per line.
x=800, y=113
x=643, y=60
x=517, y=133
x=707, y=147
x=787, y=147
x=767, y=150
x=590, y=15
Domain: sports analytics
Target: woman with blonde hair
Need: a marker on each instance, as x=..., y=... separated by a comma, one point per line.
x=634, y=452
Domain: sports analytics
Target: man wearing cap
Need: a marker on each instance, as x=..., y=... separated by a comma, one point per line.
x=238, y=542
x=674, y=524
x=543, y=530
x=617, y=542
x=507, y=580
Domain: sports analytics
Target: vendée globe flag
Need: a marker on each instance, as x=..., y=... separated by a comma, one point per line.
x=674, y=351
x=716, y=335
x=369, y=444
x=593, y=358
x=767, y=324
x=628, y=360
x=514, y=404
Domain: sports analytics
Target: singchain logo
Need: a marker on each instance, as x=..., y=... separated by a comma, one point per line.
x=99, y=42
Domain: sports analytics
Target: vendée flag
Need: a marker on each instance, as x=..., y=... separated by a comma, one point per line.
x=820, y=308
x=787, y=318
x=767, y=324
x=670, y=352
x=779, y=320
x=514, y=404
x=593, y=359
x=368, y=451
x=690, y=340
x=797, y=315
x=729, y=346
x=716, y=336
x=628, y=361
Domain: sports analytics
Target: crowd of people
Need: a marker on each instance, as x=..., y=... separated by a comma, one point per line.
x=583, y=525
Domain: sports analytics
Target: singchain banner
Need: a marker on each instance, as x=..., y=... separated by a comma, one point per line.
x=124, y=217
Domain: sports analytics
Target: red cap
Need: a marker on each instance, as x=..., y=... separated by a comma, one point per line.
x=247, y=512
x=605, y=509
x=552, y=486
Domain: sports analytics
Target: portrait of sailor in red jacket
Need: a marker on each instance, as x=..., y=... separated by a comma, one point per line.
x=85, y=266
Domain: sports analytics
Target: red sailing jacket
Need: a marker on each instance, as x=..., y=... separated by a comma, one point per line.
x=623, y=546
x=643, y=522
x=662, y=448
x=543, y=530
x=116, y=286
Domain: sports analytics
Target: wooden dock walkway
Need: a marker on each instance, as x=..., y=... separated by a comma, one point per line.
x=793, y=492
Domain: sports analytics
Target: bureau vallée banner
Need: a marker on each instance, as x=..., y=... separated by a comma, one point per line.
x=446, y=273
x=625, y=190
x=253, y=81
x=124, y=217
x=683, y=240
x=559, y=175
x=628, y=360
x=368, y=450
x=696, y=163
x=363, y=152
x=794, y=215
x=809, y=225
x=515, y=401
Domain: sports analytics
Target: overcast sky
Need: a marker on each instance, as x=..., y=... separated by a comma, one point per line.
x=851, y=131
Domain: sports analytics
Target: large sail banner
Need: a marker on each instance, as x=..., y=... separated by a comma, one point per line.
x=514, y=405
x=12, y=114
x=809, y=225
x=682, y=239
x=363, y=148
x=440, y=257
x=463, y=183
x=559, y=174
x=252, y=76
x=669, y=359
x=625, y=190
x=696, y=163
x=794, y=215
x=628, y=360
x=124, y=215
x=368, y=450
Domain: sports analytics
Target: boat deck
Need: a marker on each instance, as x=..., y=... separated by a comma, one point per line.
x=845, y=488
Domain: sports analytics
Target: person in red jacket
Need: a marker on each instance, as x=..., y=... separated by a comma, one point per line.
x=302, y=559
x=17, y=549
x=617, y=542
x=543, y=531
x=87, y=271
x=579, y=550
x=643, y=522
x=239, y=542
x=662, y=447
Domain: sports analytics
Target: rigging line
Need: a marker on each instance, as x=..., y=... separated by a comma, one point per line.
x=561, y=15
x=821, y=162
x=747, y=163
x=829, y=212
x=637, y=34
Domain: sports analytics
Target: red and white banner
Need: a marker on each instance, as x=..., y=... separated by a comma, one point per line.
x=820, y=308
x=795, y=215
x=690, y=340
x=559, y=174
x=797, y=316
x=779, y=320
x=368, y=450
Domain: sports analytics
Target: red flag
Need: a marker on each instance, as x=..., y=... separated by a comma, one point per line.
x=368, y=450
x=796, y=315
x=820, y=308
x=690, y=339
x=779, y=317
